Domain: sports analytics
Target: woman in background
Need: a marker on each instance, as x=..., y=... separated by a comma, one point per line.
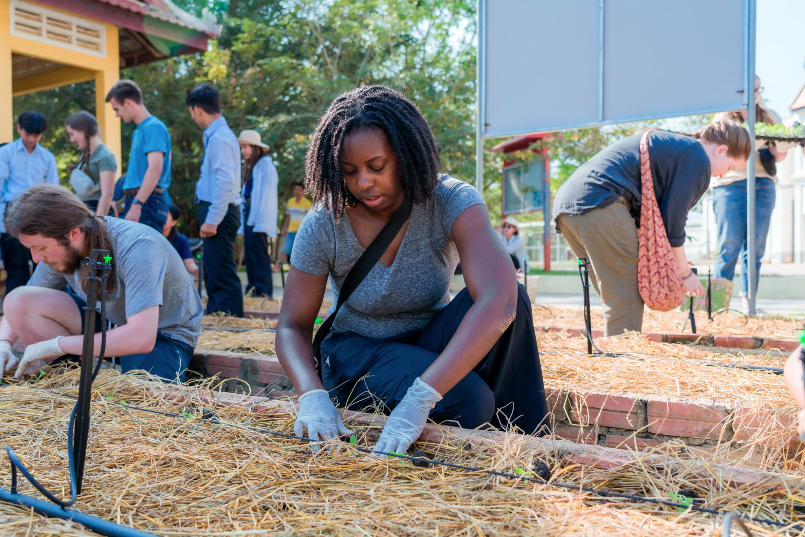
x=729, y=200
x=259, y=220
x=97, y=161
x=510, y=234
x=179, y=241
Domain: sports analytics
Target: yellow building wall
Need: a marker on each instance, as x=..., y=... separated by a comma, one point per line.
x=78, y=67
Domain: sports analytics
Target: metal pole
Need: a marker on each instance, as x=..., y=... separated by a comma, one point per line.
x=751, y=254
x=480, y=127
x=546, y=213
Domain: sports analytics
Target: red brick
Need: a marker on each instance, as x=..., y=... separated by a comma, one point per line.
x=268, y=364
x=556, y=403
x=630, y=442
x=223, y=372
x=695, y=339
x=597, y=332
x=270, y=378
x=781, y=344
x=606, y=411
x=686, y=419
x=738, y=342
x=654, y=336
x=224, y=360
x=749, y=422
x=578, y=434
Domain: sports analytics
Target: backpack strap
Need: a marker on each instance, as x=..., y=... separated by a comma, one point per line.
x=361, y=269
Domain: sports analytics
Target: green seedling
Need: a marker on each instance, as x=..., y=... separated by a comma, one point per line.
x=124, y=403
x=41, y=374
x=353, y=439
x=111, y=395
x=681, y=499
x=519, y=471
x=187, y=415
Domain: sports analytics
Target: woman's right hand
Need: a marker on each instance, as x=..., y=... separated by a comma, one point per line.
x=319, y=417
x=692, y=285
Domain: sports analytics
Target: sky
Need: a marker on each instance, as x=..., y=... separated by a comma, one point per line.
x=781, y=51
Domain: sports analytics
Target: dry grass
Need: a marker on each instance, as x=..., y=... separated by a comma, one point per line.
x=221, y=320
x=192, y=477
x=264, y=304
x=673, y=321
x=247, y=342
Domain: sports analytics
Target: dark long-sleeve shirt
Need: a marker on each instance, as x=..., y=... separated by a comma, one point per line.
x=681, y=171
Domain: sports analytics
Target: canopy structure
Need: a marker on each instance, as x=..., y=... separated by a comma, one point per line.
x=51, y=43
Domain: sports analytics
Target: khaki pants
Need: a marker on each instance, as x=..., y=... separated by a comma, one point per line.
x=607, y=237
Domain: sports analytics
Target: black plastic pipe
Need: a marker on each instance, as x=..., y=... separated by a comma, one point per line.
x=93, y=523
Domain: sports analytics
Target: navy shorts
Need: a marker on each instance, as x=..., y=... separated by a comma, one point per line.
x=169, y=358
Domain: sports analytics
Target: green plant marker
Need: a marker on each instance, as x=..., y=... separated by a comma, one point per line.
x=198, y=256
x=681, y=499
x=802, y=338
x=318, y=320
x=107, y=259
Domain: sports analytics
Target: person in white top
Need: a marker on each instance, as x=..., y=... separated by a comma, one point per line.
x=259, y=207
x=729, y=201
x=510, y=235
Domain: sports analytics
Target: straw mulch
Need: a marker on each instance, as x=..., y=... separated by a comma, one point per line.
x=653, y=321
x=265, y=304
x=177, y=477
x=246, y=342
x=221, y=320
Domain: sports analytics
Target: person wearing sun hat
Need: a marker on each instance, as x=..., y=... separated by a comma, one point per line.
x=510, y=235
x=259, y=211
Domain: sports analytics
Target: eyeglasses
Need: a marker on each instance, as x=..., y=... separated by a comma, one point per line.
x=506, y=225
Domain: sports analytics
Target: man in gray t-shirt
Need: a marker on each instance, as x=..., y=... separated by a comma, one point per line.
x=151, y=297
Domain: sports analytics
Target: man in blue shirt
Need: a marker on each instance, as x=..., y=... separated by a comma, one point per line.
x=148, y=174
x=218, y=194
x=23, y=164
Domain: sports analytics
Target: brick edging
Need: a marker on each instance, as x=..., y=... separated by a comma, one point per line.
x=709, y=340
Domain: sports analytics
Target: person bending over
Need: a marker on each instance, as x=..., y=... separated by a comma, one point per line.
x=598, y=207
x=399, y=342
x=179, y=241
x=150, y=295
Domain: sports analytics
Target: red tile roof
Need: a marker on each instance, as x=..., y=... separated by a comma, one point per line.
x=799, y=102
x=169, y=12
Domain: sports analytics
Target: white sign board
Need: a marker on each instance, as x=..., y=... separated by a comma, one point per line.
x=561, y=64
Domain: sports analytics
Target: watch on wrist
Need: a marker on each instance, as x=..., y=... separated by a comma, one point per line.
x=136, y=201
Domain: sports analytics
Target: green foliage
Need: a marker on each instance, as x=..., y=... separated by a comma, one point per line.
x=780, y=131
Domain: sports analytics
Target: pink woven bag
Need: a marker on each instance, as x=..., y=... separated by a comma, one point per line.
x=658, y=275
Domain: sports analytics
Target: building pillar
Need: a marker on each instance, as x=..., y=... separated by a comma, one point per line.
x=6, y=98
x=104, y=80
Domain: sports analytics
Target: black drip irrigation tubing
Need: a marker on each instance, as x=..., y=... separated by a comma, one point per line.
x=210, y=417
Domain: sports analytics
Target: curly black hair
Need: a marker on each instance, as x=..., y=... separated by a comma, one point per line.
x=407, y=132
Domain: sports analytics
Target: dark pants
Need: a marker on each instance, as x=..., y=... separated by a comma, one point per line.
x=220, y=269
x=154, y=211
x=93, y=206
x=258, y=262
x=15, y=259
x=504, y=389
x=169, y=358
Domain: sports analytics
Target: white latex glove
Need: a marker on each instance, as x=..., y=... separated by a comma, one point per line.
x=7, y=358
x=407, y=420
x=36, y=352
x=783, y=147
x=319, y=417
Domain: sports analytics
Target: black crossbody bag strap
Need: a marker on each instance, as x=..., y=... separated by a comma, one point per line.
x=361, y=269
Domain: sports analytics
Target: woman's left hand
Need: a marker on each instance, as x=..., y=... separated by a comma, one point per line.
x=407, y=420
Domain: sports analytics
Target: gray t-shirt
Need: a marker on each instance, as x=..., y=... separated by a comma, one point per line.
x=407, y=295
x=102, y=159
x=148, y=272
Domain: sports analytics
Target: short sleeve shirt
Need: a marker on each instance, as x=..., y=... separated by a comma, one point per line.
x=405, y=296
x=149, y=136
x=101, y=160
x=182, y=246
x=148, y=272
x=297, y=211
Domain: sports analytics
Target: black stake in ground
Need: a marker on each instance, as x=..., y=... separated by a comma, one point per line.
x=692, y=300
x=709, y=296
x=200, y=257
x=282, y=273
x=79, y=424
x=584, y=272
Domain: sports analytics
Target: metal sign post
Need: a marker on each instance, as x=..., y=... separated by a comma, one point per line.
x=480, y=127
x=749, y=99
